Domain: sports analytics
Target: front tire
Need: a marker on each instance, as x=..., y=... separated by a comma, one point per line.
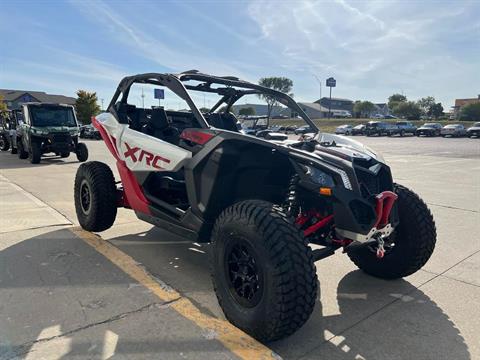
x=22, y=154
x=35, y=153
x=82, y=152
x=4, y=143
x=95, y=196
x=414, y=239
x=263, y=272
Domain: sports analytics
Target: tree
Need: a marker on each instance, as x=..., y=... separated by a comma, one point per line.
x=435, y=110
x=281, y=84
x=470, y=112
x=204, y=110
x=3, y=105
x=364, y=108
x=408, y=109
x=395, y=100
x=86, y=106
x=246, y=111
x=426, y=103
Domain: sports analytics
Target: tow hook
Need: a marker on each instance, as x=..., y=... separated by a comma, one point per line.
x=380, y=249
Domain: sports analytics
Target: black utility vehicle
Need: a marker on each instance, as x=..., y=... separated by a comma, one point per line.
x=260, y=203
x=9, y=121
x=49, y=128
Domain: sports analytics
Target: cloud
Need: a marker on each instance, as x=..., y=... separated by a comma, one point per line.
x=395, y=45
x=139, y=42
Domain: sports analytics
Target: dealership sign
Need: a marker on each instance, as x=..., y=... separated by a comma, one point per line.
x=331, y=82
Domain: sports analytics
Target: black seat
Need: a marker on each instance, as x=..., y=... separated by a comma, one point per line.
x=226, y=121
x=157, y=124
x=127, y=114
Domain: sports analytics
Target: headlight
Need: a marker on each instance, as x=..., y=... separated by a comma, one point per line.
x=318, y=176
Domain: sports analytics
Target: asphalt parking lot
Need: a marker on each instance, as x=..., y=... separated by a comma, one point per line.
x=143, y=293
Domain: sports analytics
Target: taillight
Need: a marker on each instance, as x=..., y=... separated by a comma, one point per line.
x=196, y=136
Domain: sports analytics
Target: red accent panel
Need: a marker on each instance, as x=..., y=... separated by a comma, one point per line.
x=133, y=193
x=196, y=136
x=318, y=225
x=106, y=138
x=384, y=206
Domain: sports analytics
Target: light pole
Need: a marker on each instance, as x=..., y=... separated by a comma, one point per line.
x=320, y=85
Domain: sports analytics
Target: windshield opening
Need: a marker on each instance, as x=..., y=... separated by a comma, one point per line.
x=52, y=116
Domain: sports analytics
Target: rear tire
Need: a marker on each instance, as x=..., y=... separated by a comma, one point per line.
x=263, y=272
x=36, y=153
x=414, y=239
x=82, y=152
x=95, y=196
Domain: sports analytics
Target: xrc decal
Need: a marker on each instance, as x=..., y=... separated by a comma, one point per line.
x=144, y=156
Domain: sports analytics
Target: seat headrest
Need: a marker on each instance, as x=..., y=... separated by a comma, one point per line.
x=159, y=119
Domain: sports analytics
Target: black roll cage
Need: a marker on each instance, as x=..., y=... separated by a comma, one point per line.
x=234, y=89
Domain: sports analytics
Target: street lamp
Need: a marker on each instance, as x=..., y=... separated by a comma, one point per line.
x=320, y=85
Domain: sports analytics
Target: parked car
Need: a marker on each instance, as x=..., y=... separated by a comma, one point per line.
x=341, y=114
x=389, y=117
x=453, y=130
x=429, y=129
x=344, y=130
x=303, y=130
x=474, y=131
x=378, y=128
x=358, y=130
x=89, y=132
x=401, y=128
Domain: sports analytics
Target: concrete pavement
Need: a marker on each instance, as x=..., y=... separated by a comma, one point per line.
x=432, y=314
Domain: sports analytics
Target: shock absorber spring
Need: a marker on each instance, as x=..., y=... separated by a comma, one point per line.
x=291, y=205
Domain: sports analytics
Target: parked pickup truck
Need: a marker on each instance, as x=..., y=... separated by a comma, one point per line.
x=401, y=128
x=378, y=128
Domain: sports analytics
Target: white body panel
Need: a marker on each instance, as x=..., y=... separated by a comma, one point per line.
x=142, y=152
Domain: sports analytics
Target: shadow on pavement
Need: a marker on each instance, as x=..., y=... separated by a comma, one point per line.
x=395, y=317
x=408, y=326
x=55, y=281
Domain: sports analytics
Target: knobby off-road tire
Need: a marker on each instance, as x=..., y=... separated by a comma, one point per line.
x=35, y=153
x=82, y=152
x=95, y=196
x=414, y=239
x=282, y=263
x=22, y=154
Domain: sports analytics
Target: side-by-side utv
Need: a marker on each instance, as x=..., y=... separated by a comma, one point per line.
x=49, y=128
x=260, y=203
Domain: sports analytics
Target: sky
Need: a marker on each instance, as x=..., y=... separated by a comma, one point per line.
x=373, y=49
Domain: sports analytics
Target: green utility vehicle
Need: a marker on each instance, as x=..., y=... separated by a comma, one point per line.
x=49, y=128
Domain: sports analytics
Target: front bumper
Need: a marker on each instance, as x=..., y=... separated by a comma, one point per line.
x=382, y=226
x=57, y=142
